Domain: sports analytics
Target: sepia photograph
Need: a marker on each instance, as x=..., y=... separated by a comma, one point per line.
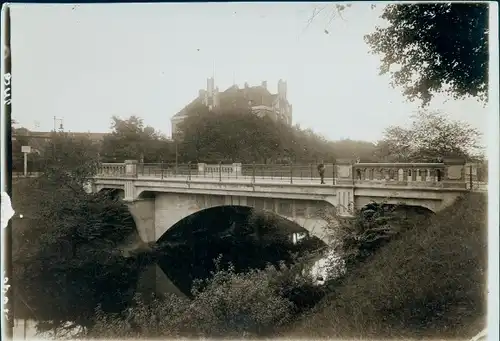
x=250, y=170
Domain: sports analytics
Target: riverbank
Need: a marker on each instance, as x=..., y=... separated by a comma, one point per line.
x=428, y=283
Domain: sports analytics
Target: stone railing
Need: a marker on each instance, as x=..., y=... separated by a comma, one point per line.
x=128, y=168
x=450, y=173
x=403, y=172
x=233, y=169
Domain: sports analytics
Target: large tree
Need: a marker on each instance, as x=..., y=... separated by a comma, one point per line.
x=68, y=245
x=237, y=135
x=131, y=139
x=431, y=135
x=229, y=136
x=438, y=47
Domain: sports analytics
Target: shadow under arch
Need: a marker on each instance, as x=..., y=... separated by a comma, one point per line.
x=113, y=193
x=246, y=237
x=408, y=210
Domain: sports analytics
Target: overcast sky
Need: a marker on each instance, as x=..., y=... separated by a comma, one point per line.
x=86, y=63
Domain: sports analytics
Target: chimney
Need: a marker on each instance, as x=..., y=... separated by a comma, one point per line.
x=246, y=85
x=201, y=93
x=264, y=84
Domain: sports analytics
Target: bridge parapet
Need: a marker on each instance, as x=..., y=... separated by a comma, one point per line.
x=125, y=169
x=450, y=174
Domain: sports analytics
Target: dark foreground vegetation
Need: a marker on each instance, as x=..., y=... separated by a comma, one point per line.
x=428, y=282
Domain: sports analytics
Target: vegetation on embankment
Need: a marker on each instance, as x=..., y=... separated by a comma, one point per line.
x=428, y=282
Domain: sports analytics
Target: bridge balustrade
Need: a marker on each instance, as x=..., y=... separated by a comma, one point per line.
x=112, y=169
x=400, y=174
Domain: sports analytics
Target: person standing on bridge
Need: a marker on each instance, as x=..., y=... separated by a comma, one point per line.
x=321, y=170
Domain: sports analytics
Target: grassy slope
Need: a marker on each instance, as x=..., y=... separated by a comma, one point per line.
x=431, y=282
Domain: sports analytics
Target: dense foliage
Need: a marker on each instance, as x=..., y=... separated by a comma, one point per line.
x=428, y=282
x=130, y=139
x=236, y=136
x=438, y=47
x=67, y=251
x=228, y=304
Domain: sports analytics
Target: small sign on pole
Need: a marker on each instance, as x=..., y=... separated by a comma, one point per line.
x=26, y=150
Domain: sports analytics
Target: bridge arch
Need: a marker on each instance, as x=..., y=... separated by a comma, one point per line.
x=157, y=212
x=238, y=233
x=256, y=215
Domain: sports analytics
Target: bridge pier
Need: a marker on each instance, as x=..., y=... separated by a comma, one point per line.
x=143, y=212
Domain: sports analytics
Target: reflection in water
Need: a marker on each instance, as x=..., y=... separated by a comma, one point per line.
x=246, y=239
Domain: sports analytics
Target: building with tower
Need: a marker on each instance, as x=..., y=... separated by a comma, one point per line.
x=258, y=99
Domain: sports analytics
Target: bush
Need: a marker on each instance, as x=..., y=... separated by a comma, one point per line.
x=355, y=239
x=430, y=281
x=229, y=304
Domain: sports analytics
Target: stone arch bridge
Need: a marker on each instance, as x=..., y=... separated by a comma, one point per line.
x=159, y=198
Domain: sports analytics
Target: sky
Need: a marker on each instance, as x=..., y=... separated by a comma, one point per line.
x=86, y=63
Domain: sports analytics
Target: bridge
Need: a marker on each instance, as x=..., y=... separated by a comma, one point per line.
x=160, y=195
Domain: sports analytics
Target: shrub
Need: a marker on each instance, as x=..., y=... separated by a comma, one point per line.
x=238, y=305
x=229, y=304
x=430, y=281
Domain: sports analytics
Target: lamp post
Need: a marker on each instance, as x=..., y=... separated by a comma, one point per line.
x=61, y=128
x=175, y=138
x=176, y=156
x=58, y=119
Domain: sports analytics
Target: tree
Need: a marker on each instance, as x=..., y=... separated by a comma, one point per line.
x=71, y=153
x=439, y=47
x=430, y=136
x=67, y=250
x=231, y=135
x=131, y=139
